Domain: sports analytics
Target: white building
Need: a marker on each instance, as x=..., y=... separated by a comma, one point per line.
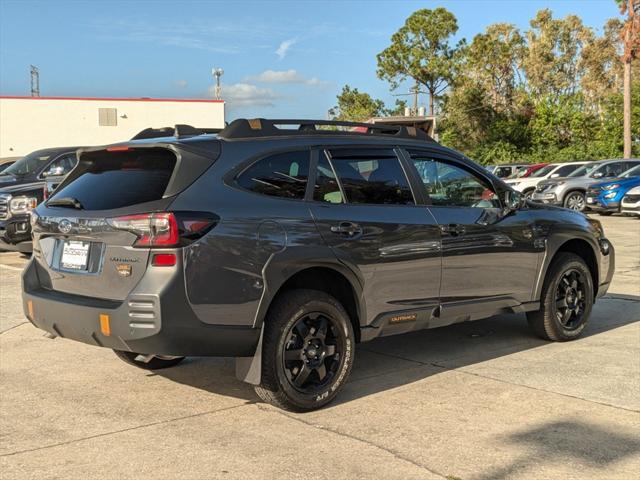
x=32, y=123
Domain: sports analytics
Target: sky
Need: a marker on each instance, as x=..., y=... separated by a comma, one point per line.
x=281, y=59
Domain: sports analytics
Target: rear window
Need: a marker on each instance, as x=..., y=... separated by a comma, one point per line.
x=120, y=179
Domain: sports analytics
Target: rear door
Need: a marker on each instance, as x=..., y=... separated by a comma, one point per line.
x=366, y=211
x=488, y=259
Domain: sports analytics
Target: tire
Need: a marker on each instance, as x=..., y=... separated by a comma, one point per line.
x=156, y=363
x=305, y=365
x=606, y=214
x=575, y=201
x=527, y=193
x=551, y=322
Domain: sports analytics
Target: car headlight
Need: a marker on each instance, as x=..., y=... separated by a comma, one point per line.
x=610, y=194
x=611, y=187
x=19, y=205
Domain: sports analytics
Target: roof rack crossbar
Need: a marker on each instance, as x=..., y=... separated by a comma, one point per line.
x=260, y=127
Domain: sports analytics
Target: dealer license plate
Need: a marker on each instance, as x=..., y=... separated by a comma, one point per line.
x=75, y=255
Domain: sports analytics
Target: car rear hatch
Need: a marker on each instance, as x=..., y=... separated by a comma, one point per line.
x=94, y=236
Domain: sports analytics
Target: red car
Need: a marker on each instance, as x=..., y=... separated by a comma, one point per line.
x=525, y=172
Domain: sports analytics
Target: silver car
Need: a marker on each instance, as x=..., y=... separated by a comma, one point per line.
x=570, y=191
x=527, y=185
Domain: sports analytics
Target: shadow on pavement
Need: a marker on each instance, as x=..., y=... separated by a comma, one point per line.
x=567, y=442
x=404, y=359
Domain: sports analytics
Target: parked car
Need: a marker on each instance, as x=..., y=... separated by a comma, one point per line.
x=527, y=171
x=504, y=171
x=284, y=247
x=570, y=192
x=605, y=197
x=21, y=189
x=528, y=184
x=630, y=204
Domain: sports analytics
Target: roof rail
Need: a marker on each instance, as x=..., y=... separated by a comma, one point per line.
x=179, y=131
x=260, y=127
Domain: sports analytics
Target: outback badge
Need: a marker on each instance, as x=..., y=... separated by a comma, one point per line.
x=124, y=270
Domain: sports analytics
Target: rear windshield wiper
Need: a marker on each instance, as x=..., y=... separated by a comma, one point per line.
x=65, y=202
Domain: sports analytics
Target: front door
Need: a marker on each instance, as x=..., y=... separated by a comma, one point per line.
x=489, y=259
x=365, y=210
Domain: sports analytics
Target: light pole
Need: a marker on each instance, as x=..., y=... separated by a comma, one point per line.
x=217, y=73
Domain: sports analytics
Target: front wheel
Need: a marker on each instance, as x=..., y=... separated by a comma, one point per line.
x=307, y=351
x=575, y=201
x=566, y=301
x=529, y=193
x=147, y=362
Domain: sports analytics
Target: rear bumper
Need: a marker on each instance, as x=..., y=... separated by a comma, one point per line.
x=149, y=323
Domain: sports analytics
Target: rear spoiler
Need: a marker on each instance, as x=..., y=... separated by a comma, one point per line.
x=178, y=131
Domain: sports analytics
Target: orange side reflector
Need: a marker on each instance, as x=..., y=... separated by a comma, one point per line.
x=30, y=309
x=105, y=328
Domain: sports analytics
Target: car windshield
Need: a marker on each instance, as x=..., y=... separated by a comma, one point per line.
x=632, y=172
x=29, y=164
x=542, y=171
x=585, y=170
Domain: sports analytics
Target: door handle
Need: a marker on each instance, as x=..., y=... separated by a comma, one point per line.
x=347, y=229
x=453, y=229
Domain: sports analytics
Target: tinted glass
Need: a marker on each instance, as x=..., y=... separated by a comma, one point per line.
x=30, y=164
x=283, y=175
x=62, y=165
x=609, y=170
x=373, y=178
x=502, y=172
x=326, y=188
x=543, y=171
x=585, y=170
x=451, y=186
x=119, y=179
x=633, y=172
x=566, y=170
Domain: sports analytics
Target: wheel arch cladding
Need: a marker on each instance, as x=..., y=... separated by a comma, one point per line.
x=584, y=250
x=330, y=281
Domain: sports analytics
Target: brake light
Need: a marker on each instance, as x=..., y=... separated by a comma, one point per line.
x=163, y=259
x=152, y=229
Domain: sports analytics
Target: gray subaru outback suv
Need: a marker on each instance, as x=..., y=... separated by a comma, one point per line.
x=283, y=244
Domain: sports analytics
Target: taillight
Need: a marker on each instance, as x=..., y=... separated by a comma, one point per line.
x=152, y=229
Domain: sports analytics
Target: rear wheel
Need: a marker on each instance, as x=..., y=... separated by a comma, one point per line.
x=566, y=301
x=307, y=351
x=147, y=362
x=575, y=201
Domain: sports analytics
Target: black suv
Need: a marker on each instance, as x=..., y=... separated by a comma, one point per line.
x=285, y=242
x=22, y=188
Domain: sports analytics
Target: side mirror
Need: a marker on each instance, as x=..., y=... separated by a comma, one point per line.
x=598, y=175
x=513, y=200
x=554, y=175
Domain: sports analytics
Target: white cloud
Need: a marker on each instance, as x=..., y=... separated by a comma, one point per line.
x=283, y=76
x=245, y=94
x=181, y=83
x=284, y=47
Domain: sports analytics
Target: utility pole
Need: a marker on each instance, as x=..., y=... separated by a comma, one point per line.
x=415, y=92
x=217, y=73
x=631, y=41
x=35, y=81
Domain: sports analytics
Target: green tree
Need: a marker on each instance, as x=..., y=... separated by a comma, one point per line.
x=551, y=60
x=356, y=106
x=420, y=51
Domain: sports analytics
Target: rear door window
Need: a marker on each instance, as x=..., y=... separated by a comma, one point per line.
x=111, y=180
x=372, y=176
x=566, y=170
x=283, y=175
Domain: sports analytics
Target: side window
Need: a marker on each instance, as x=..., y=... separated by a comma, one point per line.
x=451, y=186
x=372, y=177
x=566, y=170
x=62, y=165
x=326, y=188
x=283, y=175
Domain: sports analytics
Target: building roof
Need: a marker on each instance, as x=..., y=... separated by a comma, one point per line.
x=114, y=99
